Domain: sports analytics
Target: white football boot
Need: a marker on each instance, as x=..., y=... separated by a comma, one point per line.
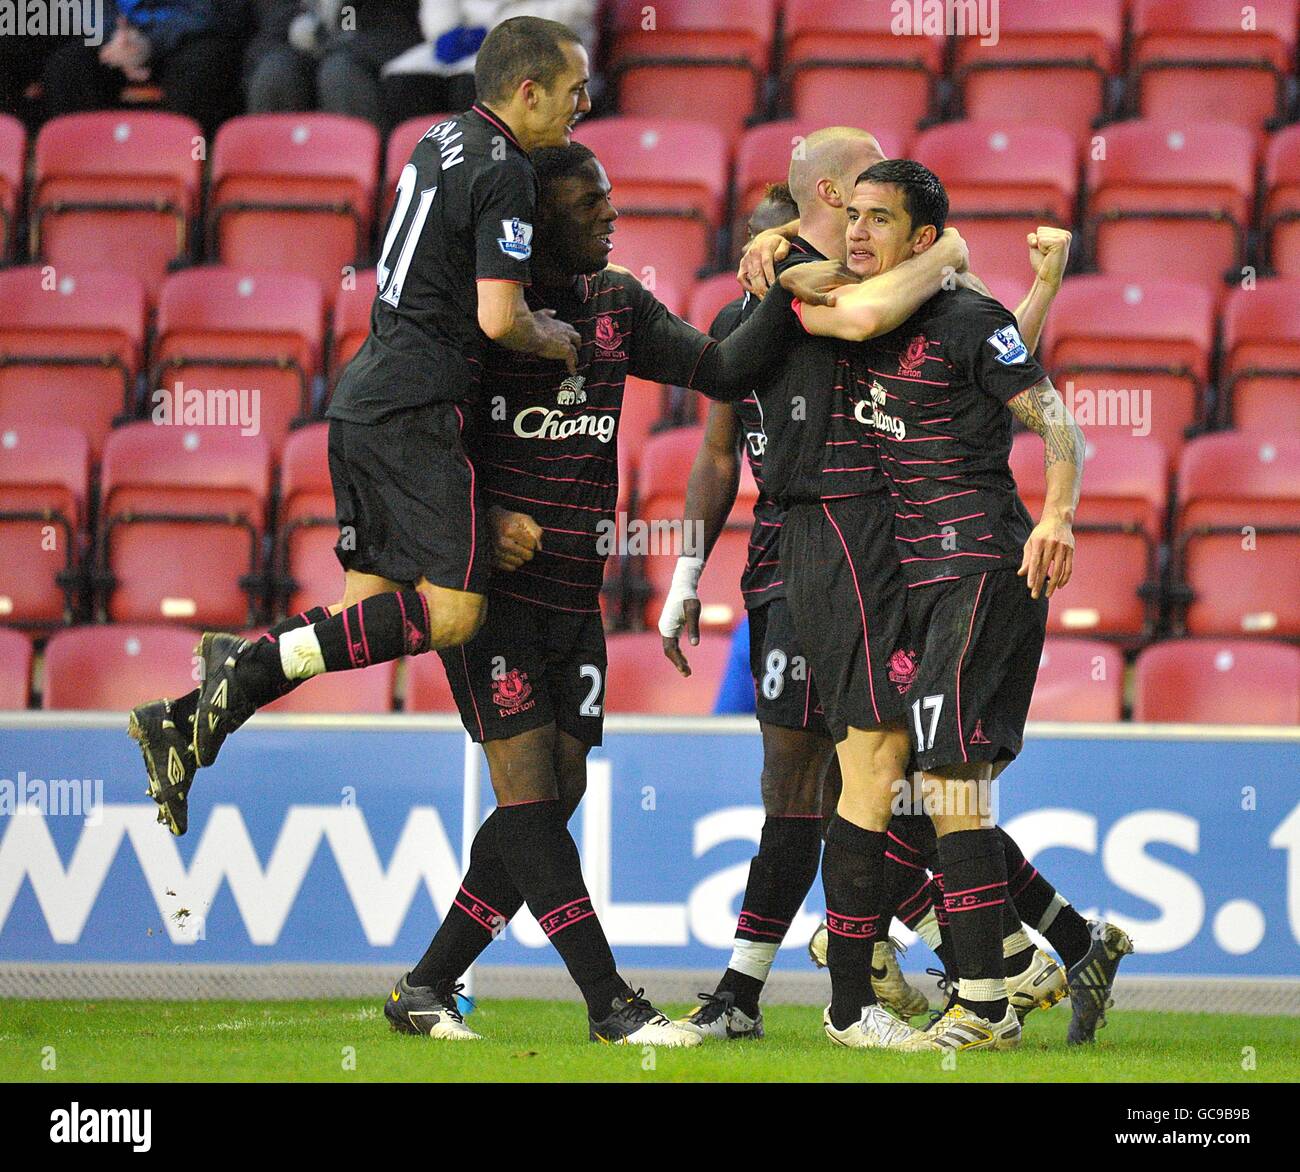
x=1040, y=986
x=876, y=1029
x=719, y=1017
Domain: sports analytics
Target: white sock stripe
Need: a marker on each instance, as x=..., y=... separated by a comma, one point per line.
x=1053, y=910
x=1015, y=943
x=985, y=990
x=752, y=959
x=928, y=929
x=300, y=654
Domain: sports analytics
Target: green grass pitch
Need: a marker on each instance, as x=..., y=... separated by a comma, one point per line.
x=122, y=1041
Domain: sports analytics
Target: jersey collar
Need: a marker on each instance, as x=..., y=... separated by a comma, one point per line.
x=799, y=244
x=487, y=116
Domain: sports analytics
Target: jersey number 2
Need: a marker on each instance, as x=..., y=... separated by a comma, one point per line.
x=390, y=281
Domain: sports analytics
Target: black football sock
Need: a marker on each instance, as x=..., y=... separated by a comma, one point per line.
x=853, y=876
x=1017, y=949
x=374, y=630
x=906, y=880
x=183, y=709
x=542, y=861
x=1042, y=907
x=946, y=953
x=486, y=902
x=975, y=885
x=780, y=876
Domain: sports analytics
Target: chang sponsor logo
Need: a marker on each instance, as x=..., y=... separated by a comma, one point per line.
x=548, y=423
x=872, y=413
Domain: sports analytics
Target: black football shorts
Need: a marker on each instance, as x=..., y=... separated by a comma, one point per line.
x=406, y=500
x=977, y=641
x=784, y=692
x=847, y=599
x=529, y=666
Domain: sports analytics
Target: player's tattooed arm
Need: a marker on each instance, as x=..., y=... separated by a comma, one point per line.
x=710, y=493
x=882, y=303
x=1049, y=253
x=757, y=272
x=1049, y=553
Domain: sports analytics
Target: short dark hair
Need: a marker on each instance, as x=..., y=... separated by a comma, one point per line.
x=559, y=162
x=923, y=195
x=778, y=195
x=517, y=50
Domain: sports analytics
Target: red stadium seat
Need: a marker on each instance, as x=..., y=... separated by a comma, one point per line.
x=116, y=667
x=1132, y=354
x=427, y=689
x=709, y=296
x=243, y=345
x=308, y=569
x=368, y=690
x=1261, y=357
x=13, y=159
x=1281, y=219
x=294, y=193
x=1192, y=59
x=1049, y=66
x=351, y=321
x=664, y=470
x=718, y=53
x=1003, y=179
x=181, y=523
x=1078, y=679
x=1218, y=681
x=849, y=57
x=1238, y=534
x=15, y=670
x=641, y=680
x=1172, y=198
x=397, y=153
x=116, y=190
x=70, y=348
x=670, y=187
x=44, y=498
x=1119, y=524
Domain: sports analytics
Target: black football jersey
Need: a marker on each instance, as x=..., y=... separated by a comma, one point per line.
x=464, y=213
x=934, y=393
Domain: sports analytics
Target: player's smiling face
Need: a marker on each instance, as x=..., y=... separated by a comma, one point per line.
x=576, y=219
x=556, y=111
x=880, y=234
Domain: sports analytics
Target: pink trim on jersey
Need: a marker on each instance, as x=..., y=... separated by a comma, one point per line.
x=361, y=622
x=514, y=496
x=469, y=687
x=548, y=605
x=929, y=382
x=347, y=635
x=901, y=862
x=473, y=521
x=948, y=557
x=932, y=581
x=961, y=736
x=862, y=610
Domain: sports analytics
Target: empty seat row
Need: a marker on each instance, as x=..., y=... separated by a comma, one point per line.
x=1058, y=64
x=113, y=667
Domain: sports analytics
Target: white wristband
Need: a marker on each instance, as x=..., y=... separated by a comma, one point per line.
x=686, y=576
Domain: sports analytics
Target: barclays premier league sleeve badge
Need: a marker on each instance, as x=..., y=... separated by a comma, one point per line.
x=518, y=239
x=1011, y=351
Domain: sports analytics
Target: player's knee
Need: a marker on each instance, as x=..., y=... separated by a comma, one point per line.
x=454, y=616
x=791, y=784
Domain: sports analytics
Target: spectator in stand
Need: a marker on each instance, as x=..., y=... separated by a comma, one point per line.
x=185, y=47
x=328, y=55
x=437, y=75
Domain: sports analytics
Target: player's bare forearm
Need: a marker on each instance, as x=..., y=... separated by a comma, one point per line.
x=1049, y=553
x=714, y=479
x=1042, y=410
x=1031, y=313
x=882, y=303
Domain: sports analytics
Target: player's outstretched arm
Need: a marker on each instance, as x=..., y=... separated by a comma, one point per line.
x=880, y=304
x=1049, y=552
x=710, y=493
x=1049, y=253
x=504, y=316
